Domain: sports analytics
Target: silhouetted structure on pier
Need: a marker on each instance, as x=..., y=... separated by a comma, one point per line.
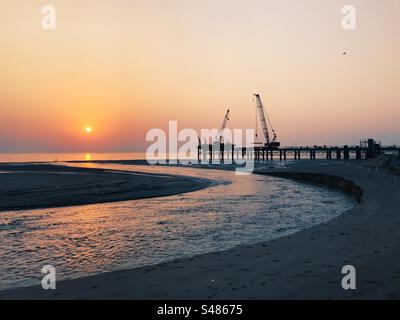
x=367, y=149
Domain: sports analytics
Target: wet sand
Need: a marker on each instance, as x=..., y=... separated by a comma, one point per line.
x=32, y=186
x=305, y=265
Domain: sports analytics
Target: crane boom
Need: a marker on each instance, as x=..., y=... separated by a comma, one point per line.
x=263, y=120
x=226, y=119
x=223, y=126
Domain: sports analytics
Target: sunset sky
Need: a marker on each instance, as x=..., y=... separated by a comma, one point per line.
x=122, y=67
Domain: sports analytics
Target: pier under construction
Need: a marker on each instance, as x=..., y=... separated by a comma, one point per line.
x=268, y=148
x=367, y=150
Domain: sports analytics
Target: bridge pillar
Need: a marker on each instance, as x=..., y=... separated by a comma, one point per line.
x=338, y=154
x=346, y=153
x=370, y=150
x=358, y=153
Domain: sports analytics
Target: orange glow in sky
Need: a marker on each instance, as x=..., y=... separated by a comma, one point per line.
x=128, y=66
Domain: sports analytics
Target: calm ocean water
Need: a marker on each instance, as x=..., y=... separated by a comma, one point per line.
x=51, y=157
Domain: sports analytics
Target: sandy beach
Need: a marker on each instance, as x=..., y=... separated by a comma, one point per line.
x=305, y=265
x=32, y=186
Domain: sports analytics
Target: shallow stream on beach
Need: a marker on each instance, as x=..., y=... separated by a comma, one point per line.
x=91, y=239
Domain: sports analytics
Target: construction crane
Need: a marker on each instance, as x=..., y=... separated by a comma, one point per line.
x=223, y=126
x=220, y=135
x=272, y=143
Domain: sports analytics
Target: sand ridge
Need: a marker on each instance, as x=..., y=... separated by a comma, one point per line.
x=32, y=186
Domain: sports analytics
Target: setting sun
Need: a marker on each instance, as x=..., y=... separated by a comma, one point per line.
x=88, y=129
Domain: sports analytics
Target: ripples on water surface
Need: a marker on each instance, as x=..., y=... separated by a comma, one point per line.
x=85, y=240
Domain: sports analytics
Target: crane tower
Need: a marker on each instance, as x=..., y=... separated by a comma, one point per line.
x=271, y=143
